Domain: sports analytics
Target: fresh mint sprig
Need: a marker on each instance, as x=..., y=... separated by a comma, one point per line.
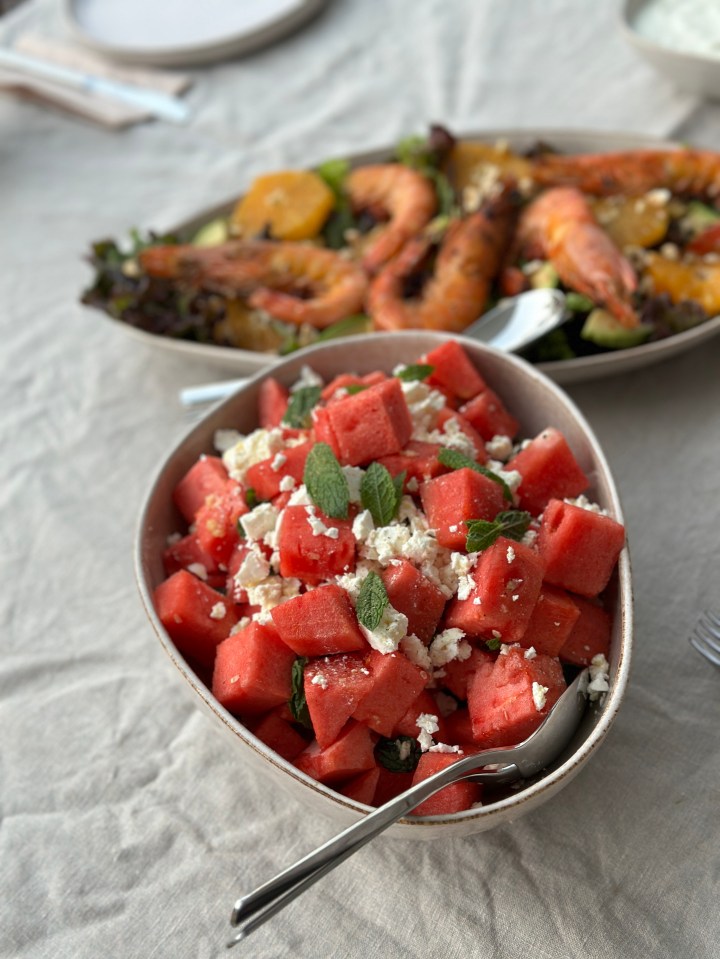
x=300, y=405
x=326, y=483
x=380, y=493
x=482, y=533
x=371, y=602
x=297, y=703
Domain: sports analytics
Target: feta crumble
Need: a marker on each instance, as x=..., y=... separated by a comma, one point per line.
x=427, y=724
x=390, y=631
x=539, y=695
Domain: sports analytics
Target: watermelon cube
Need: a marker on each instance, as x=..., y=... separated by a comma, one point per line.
x=580, y=547
x=311, y=553
x=552, y=621
x=334, y=685
x=452, y=798
x=322, y=429
x=272, y=403
x=508, y=577
x=451, y=423
x=343, y=380
x=454, y=371
x=187, y=553
x=509, y=704
x=418, y=459
x=549, y=470
x=208, y=475
x=396, y=683
x=489, y=416
x=279, y=734
x=458, y=728
x=590, y=635
x=266, y=476
x=370, y=424
x=413, y=595
x=253, y=671
x=349, y=755
x=390, y=784
x=455, y=497
x=458, y=672
x=196, y=617
x=319, y=623
x=216, y=522
x=362, y=788
x=407, y=724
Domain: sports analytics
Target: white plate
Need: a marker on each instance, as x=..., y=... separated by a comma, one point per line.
x=184, y=32
x=248, y=362
x=669, y=35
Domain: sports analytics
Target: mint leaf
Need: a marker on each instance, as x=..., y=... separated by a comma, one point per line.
x=371, y=602
x=379, y=494
x=457, y=461
x=251, y=497
x=492, y=644
x=399, y=755
x=302, y=401
x=355, y=388
x=416, y=371
x=297, y=702
x=326, y=483
x=482, y=533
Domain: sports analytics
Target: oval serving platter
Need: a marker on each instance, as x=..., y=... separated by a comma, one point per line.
x=537, y=402
x=247, y=362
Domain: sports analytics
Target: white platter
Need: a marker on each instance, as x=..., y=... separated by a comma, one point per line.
x=537, y=403
x=247, y=362
x=182, y=32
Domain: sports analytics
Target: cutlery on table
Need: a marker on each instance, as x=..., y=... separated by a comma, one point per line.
x=705, y=638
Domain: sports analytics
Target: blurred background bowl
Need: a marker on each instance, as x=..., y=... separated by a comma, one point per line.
x=537, y=402
x=670, y=36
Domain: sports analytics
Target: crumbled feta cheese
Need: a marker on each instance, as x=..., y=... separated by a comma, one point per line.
x=404, y=750
x=510, y=554
x=499, y=447
x=412, y=485
x=530, y=653
x=354, y=476
x=300, y=497
x=512, y=478
x=287, y=483
x=256, y=446
x=462, y=565
x=259, y=521
x=449, y=645
x=352, y=582
x=318, y=527
x=271, y=592
x=218, y=611
x=424, y=404
x=598, y=677
x=529, y=538
x=539, y=695
x=173, y=538
x=444, y=748
x=320, y=679
x=389, y=632
x=224, y=440
x=279, y=460
x=427, y=724
x=308, y=377
x=240, y=625
x=199, y=570
x=584, y=503
x=363, y=525
x=253, y=569
x=416, y=651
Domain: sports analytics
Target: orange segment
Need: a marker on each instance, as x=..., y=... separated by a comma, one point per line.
x=290, y=205
x=632, y=220
x=469, y=162
x=686, y=280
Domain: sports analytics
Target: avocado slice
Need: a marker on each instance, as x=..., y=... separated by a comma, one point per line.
x=545, y=276
x=603, y=329
x=212, y=233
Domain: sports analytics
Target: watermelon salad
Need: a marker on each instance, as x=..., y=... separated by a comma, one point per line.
x=385, y=575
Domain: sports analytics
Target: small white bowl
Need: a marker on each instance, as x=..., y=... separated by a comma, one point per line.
x=537, y=402
x=697, y=73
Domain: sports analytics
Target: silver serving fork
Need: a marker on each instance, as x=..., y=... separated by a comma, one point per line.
x=705, y=638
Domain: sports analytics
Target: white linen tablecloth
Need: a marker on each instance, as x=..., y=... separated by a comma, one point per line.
x=128, y=826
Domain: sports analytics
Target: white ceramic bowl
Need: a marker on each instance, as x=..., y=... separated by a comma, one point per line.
x=693, y=72
x=537, y=402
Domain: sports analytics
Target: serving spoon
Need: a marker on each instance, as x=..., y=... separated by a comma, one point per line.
x=513, y=324
x=509, y=764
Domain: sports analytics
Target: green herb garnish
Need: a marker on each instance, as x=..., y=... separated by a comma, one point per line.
x=326, y=483
x=298, y=703
x=380, y=493
x=578, y=302
x=457, y=461
x=493, y=644
x=399, y=755
x=251, y=497
x=371, y=602
x=482, y=533
x=416, y=371
x=300, y=405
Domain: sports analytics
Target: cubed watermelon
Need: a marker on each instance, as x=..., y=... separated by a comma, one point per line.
x=390, y=784
x=489, y=416
x=590, y=635
x=457, y=672
x=272, y=403
x=451, y=422
x=266, y=476
x=279, y=734
x=453, y=798
x=549, y=469
x=310, y=555
x=349, y=755
x=319, y=623
x=253, y=670
x=362, y=788
x=370, y=424
x=334, y=685
x=453, y=369
x=344, y=380
x=455, y=497
x=508, y=577
x=509, y=704
x=187, y=553
x=196, y=617
x=579, y=546
x=396, y=683
x=551, y=622
x=216, y=522
x=407, y=724
x=419, y=460
x=413, y=595
x=207, y=476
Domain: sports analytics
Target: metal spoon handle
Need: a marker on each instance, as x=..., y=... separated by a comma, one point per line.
x=278, y=892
